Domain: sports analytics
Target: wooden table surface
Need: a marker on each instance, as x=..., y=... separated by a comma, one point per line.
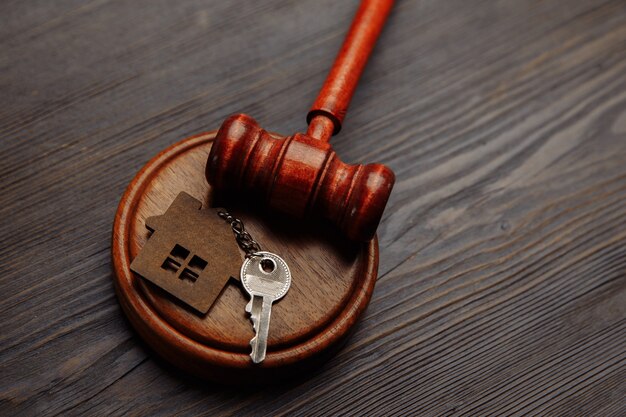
x=502, y=282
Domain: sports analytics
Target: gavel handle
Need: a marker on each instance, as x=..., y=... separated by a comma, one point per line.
x=330, y=107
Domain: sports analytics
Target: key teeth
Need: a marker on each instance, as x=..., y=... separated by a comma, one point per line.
x=253, y=354
x=253, y=317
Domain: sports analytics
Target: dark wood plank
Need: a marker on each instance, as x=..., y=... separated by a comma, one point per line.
x=502, y=286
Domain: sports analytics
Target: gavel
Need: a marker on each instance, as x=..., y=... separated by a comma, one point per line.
x=301, y=174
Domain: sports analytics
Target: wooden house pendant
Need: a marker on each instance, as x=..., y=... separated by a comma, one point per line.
x=191, y=253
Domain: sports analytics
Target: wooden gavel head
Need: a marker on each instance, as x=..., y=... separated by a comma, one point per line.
x=299, y=175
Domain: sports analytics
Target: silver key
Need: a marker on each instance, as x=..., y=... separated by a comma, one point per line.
x=266, y=278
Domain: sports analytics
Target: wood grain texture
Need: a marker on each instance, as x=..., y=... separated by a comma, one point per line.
x=502, y=279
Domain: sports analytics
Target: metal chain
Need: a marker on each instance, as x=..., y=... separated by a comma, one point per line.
x=243, y=238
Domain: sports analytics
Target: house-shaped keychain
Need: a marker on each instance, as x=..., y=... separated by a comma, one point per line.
x=191, y=253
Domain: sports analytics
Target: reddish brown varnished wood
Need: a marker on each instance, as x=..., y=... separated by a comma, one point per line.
x=333, y=280
x=301, y=174
x=333, y=100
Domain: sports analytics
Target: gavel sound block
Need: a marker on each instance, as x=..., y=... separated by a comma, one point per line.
x=299, y=175
x=333, y=280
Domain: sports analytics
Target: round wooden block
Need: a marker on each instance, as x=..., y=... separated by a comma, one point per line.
x=332, y=281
